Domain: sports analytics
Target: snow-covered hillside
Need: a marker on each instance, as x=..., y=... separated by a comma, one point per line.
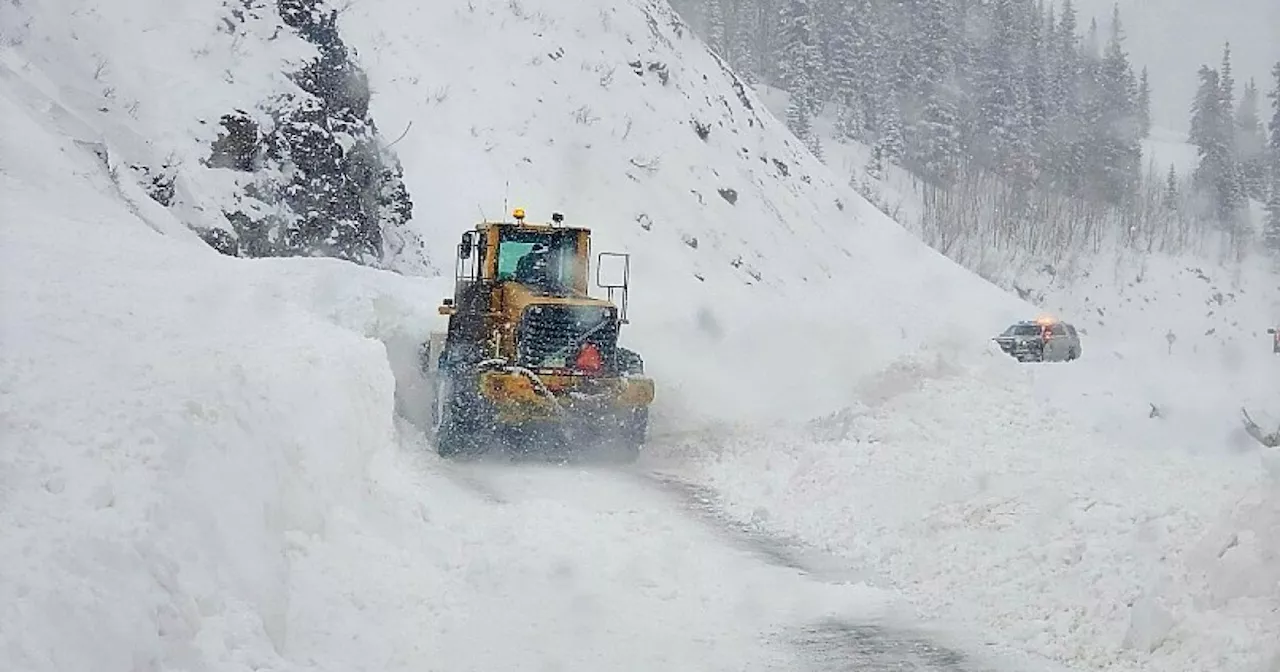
x=202, y=466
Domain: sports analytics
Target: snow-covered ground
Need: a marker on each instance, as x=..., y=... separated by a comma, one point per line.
x=1168, y=511
x=202, y=466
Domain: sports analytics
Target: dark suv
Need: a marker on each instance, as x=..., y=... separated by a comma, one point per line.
x=1040, y=341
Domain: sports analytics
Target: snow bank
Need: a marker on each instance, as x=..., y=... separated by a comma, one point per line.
x=168, y=425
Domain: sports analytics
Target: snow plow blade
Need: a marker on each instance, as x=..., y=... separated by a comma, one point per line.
x=519, y=398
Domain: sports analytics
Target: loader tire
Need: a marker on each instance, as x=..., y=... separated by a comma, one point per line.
x=630, y=362
x=457, y=417
x=630, y=435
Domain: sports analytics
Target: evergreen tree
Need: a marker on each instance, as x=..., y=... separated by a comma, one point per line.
x=849, y=79
x=1273, y=139
x=859, y=69
x=1002, y=120
x=715, y=27
x=1036, y=76
x=798, y=118
x=1065, y=102
x=814, y=145
x=890, y=142
x=1113, y=130
x=1144, y=104
x=940, y=148
x=1169, y=200
x=932, y=47
x=1271, y=228
x=799, y=64
x=1251, y=144
x=930, y=107
x=1226, y=81
x=1053, y=93
x=1212, y=133
x=1091, y=47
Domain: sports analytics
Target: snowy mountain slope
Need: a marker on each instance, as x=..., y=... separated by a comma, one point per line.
x=376, y=532
x=201, y=470
x=595, y=114
x=579, y=131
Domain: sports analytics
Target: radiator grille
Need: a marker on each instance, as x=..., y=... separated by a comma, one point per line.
x=551, y=335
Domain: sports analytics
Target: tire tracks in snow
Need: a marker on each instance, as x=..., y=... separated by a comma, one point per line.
x=826, y=646
x=832, y=645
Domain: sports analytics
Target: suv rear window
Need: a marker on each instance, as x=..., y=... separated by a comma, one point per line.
x=1022, y=330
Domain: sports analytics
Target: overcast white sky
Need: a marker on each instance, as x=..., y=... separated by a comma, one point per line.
x=1174, y=37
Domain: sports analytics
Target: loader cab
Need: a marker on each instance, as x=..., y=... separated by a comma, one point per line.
x=547, y=260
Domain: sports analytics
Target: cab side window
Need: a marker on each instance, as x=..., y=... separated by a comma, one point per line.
x=1058, y=330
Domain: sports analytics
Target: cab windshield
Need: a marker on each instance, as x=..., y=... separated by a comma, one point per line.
x=541, y=259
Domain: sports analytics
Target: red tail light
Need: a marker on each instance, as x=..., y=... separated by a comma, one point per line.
x=589, y=359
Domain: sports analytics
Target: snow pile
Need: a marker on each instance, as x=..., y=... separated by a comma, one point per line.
x=163, y=422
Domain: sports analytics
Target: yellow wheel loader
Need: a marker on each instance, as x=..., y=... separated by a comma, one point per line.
x=530, y=359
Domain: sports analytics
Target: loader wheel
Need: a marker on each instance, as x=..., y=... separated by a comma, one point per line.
x=456, y=417
x=629, y=362
x=630, y=435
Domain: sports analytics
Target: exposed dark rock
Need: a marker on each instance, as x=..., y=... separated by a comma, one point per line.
x=158, y=183
x=237, y=145
x=703, y=130
x=322, y=183
x=221, y=241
